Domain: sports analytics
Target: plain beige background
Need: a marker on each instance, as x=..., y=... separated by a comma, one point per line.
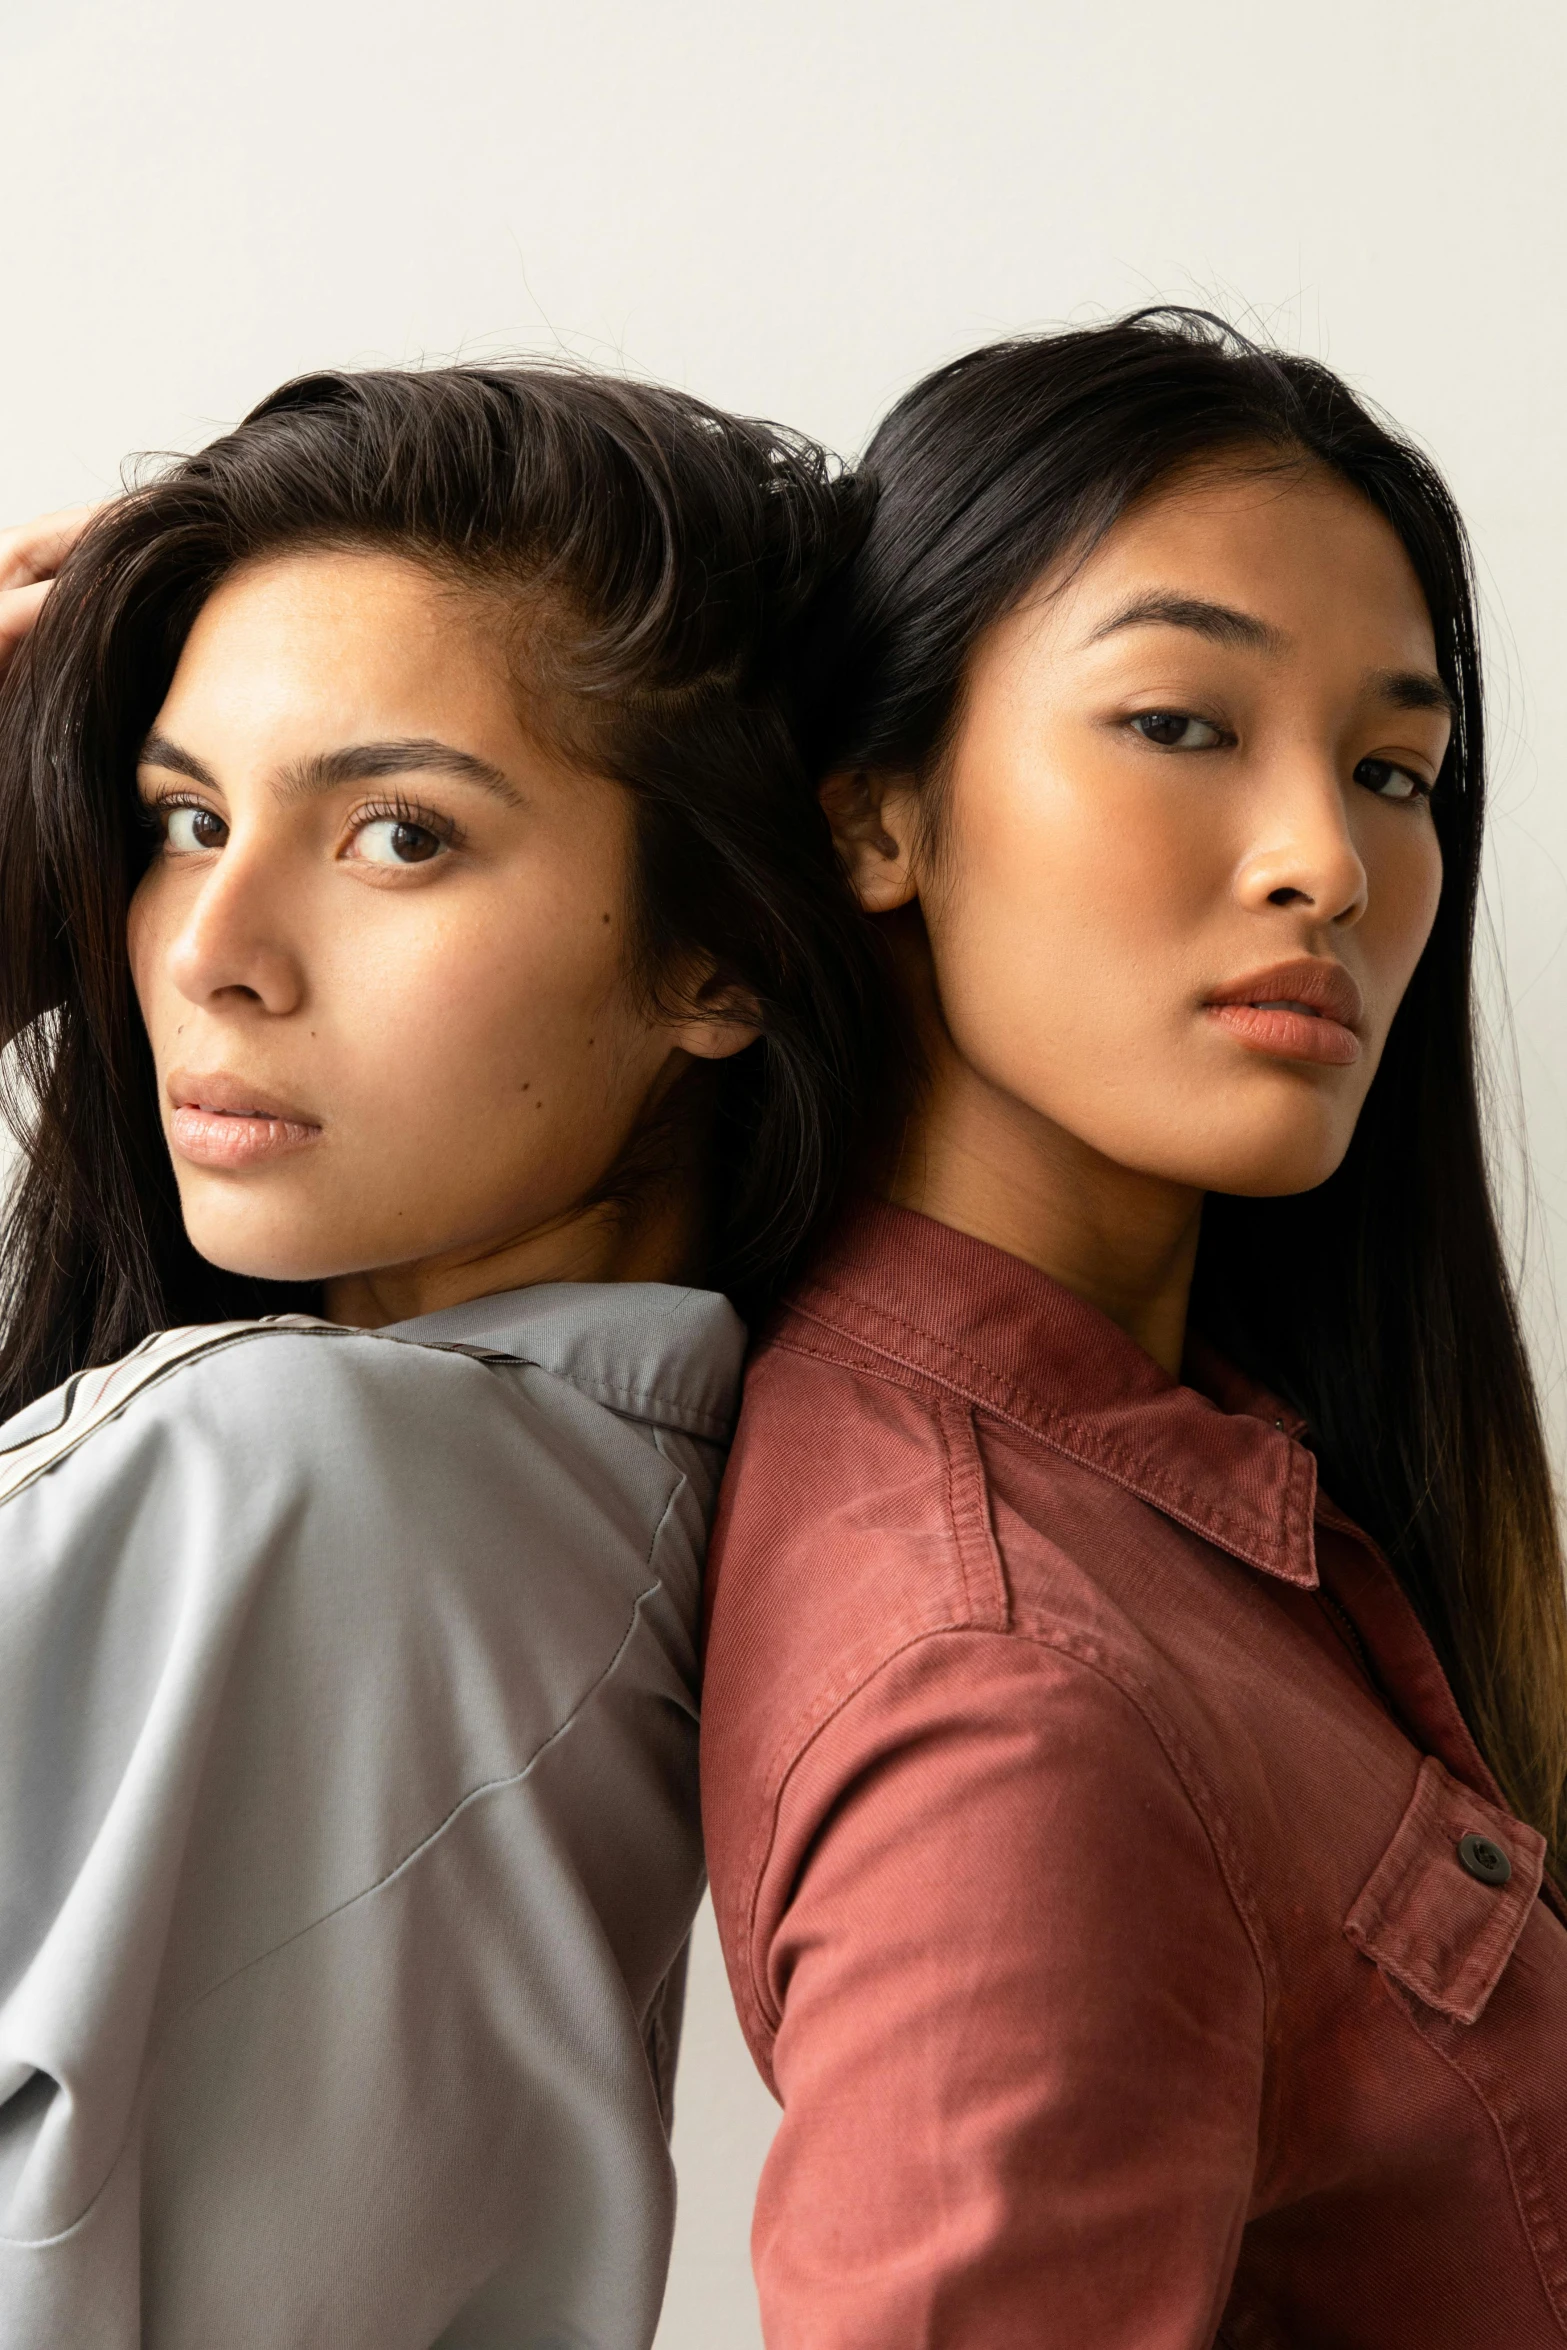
x=797, y=209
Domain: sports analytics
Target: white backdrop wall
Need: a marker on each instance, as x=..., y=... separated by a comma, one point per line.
x=796, y=210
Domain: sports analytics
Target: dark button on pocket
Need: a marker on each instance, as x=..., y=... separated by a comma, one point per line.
x=1447, y=1933
x=1484, y=1859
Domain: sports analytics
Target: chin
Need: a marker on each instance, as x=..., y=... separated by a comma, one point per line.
x=263, y=1255
x=1287, y=1168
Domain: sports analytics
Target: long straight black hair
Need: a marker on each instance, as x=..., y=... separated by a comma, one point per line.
x=661, y=557
x=1379, y=1304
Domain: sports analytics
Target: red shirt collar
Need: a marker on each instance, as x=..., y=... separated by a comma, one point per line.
x=1222, y=1458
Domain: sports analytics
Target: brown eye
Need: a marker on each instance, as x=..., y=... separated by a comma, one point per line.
x=1390, y=782
x=1178, y=730
x=189, y=829
x=392, y=840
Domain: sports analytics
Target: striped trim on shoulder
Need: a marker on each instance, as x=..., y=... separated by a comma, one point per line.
x=94, y=1397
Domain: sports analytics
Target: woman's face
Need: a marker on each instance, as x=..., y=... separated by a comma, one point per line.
x=382, y=946
x=1185, y=863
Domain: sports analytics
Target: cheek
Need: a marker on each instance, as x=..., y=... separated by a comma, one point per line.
x=1069, y=895
x=1404, y=886
x=488, y=1016
x=1059, y=829
x=145, y=946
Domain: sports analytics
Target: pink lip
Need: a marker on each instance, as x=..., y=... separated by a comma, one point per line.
x=1308, y=1010
x=218, y=1121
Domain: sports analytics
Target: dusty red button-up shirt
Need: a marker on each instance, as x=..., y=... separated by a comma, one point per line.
x=1082, y=1800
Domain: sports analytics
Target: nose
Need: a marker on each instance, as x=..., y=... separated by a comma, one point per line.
x=232, y=944
x=1303, y=852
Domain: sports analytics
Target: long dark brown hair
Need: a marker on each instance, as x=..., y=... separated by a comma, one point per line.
x=663, y=556
x=1380, y=1303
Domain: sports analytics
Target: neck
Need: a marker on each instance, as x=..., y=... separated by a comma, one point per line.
x=652, y=1238
x=983, y=1162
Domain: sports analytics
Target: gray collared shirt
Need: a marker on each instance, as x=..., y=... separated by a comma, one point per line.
x=348, y=1827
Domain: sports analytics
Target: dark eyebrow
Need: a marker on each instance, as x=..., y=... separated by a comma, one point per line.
x=415, y=754
x=1221, y=623
x=1406, y=689
x=158, y=751
x=1413, y=689
x=354, y=763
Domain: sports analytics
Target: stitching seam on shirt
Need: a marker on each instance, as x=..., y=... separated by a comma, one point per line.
x=716, y=1424
x=968, y=1507
x=153, y=2054
x=1185, y=1772
x=1517, y=2148
x=486, y=1787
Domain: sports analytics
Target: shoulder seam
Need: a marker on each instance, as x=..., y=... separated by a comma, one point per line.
x=1177, y=1755
x=54, y=1446
x=595, y=1688
x=416, y=1852
x=890, y=1372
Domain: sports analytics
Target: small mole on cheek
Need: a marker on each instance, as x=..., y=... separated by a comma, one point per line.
x=527, y=1081
x=606, y=917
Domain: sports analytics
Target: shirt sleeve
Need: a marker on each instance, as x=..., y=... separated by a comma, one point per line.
x=347, y=1833
x=1016, y=2021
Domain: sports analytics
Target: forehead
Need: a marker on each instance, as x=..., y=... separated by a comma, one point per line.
x=345, y=628
x=1292, y=544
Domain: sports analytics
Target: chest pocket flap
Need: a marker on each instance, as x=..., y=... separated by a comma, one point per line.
x=1426, y=1917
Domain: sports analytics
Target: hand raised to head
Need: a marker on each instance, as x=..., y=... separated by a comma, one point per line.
x=30, y=556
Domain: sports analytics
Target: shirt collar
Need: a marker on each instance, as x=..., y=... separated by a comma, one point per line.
x=1222, y=1457
x=650, y=1350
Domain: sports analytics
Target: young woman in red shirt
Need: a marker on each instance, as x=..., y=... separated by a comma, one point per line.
x=1135, y=1723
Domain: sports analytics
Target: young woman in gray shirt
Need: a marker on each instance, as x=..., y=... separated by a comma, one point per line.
x=417, y=973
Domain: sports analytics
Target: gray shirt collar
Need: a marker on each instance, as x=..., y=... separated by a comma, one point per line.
x=648, y=1349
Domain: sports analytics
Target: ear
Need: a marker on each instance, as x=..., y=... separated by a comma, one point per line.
x=720, y=1022
x=873, y=819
